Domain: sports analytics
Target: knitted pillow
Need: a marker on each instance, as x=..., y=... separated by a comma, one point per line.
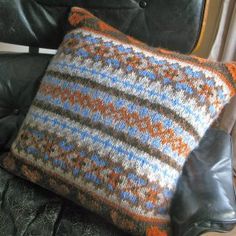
x=114, y=120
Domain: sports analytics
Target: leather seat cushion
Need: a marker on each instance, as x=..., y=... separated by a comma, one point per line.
x=85, y=117
x=27, y=209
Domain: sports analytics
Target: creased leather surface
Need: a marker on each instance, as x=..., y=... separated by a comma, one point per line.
x=204, y=199
x=26, y=209
x=42, y=23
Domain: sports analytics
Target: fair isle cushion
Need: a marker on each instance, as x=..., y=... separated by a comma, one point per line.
x=114, y=120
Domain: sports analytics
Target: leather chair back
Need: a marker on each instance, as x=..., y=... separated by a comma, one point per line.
x=170, y=24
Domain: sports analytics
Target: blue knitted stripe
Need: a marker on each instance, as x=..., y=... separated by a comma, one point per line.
x=83, y=133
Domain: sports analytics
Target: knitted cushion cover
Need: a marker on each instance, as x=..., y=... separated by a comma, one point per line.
x=114, y=120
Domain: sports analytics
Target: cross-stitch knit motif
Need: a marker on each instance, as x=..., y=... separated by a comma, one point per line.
x=114, y=120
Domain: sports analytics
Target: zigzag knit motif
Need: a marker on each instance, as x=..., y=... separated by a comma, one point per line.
x=114, y=121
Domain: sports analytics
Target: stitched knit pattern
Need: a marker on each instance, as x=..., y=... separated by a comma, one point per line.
x=114, y=120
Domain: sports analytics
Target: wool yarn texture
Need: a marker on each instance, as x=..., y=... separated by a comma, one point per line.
x=114, y=120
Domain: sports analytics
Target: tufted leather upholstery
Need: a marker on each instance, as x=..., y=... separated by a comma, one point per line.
x=41, y=23
x=26, y=209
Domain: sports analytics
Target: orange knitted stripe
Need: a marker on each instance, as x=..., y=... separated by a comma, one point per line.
x=232, y=69
x=76, y=17
x=101, y=199
x=131, y=119
x=155, y=231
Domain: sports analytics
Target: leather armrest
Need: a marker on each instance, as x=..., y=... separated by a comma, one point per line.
x=205, y=200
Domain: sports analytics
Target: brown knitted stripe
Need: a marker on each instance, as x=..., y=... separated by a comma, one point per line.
x=192, y=60
x=111, y=132
x=183, y=123
x=123, y=65
x=229, y=74
x=15, y=164
x=215, y=67
x=87, y=158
